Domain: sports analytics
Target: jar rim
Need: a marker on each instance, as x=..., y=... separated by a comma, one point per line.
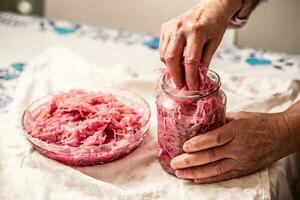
x=192, y=95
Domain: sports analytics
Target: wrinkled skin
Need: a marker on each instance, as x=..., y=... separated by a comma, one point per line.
x=247, y=143
x=193, y=37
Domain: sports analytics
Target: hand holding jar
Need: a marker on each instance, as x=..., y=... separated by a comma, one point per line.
x=247, y=143
x=192, y=104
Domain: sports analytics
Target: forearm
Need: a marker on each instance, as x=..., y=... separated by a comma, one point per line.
x=248, y=7
x=231, y=7
x=228, y=8
x=240, y=18
x=292, y=119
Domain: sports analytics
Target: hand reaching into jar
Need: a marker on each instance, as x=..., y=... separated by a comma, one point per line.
x=192, y=38
x=247, y=143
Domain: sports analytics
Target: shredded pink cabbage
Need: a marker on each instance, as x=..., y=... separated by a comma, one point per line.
x=180, y=119
x=78, y=118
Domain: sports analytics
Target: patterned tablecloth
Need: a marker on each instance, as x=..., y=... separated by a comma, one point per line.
x=23, y=38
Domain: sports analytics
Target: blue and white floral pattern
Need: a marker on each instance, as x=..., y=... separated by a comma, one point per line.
x=9, y=73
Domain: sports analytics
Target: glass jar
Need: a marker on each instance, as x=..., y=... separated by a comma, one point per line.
x=185, y=114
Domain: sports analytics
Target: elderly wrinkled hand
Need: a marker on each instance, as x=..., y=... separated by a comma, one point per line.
x=193, y=37
x=246, y=144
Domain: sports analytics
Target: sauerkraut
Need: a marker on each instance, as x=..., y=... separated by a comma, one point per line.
x=80, y=122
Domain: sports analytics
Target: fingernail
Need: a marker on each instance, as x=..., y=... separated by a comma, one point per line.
x=173, y=163
x=186, y=146
x=197, y=181
x=178, y=174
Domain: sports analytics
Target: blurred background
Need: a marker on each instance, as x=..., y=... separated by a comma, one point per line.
x=272, y=26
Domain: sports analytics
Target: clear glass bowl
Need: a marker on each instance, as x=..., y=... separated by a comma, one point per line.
x=91, y=155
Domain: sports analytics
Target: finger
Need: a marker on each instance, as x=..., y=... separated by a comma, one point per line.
x=209, y=170
x=231, y=116
x=192, y=62
x=208, y=51
x=238, y=115
x=173, y=58
x=199, y=158
x=223, y=177
x=217, y=137
x=164, y=41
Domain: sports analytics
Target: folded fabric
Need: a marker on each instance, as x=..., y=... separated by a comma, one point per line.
x=25, y=174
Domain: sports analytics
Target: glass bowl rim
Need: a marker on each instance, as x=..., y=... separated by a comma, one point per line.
x=39, y=143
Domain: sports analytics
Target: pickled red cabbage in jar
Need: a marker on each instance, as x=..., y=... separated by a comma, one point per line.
x=184, y=114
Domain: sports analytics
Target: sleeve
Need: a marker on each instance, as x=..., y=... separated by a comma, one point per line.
x=241, y=17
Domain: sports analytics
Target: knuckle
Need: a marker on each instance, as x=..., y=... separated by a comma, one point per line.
x=177, y=23
x=196, y=27
x=170, y=58
x=218, y=168
x=211, y=155
x=218, y=139
x=191, y=60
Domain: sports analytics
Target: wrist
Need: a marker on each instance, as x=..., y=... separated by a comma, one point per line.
x=292, y=120
x=231, y=7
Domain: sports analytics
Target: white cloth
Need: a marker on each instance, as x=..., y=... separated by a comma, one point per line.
x=25, y=174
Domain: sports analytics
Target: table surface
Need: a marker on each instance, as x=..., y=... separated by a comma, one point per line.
x=23, y=38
